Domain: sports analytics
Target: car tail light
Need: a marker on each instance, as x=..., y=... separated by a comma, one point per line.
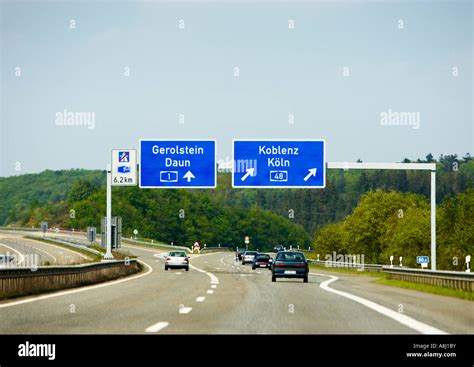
x=279, y=264
x=299, y=265
x=168, y=259
x=186, y=260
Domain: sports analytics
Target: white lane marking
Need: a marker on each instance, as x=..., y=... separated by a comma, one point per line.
x=157, y=327
x=184, y=310
x=200, y=299
x=213, y=285
x=22, y=257
x=402, y=319
x=46, y=252
x=77, y=290
x=57, y=247
x=210, y=291
x=178, y=273
x=214, y=279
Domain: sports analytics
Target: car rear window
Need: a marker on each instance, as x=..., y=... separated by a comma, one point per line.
x=177, y=254
x=263, y=257
x=290, y=256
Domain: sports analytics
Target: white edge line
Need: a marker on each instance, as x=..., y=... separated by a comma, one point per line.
x=77, y=290
x=400, y=318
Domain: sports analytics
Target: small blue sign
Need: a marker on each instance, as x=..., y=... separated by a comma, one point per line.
x=124, y=157
x=422, y=259
x=279, y=163
x=178, y=164
x=123, y=169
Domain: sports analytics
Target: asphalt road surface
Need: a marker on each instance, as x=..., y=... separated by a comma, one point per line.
x=30, y=252
x=219, y=295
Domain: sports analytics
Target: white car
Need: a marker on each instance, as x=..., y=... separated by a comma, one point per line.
x=177, y=259
x=248, y=256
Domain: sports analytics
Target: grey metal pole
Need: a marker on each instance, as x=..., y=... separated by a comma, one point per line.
x=433, y=220
x=108, y=253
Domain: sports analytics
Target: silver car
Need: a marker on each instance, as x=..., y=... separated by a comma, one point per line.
x=248, y=256
x=177, y=259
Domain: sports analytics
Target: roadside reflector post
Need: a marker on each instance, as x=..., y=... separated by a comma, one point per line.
x=391, y=261
x=401, y=259
x=468, y=260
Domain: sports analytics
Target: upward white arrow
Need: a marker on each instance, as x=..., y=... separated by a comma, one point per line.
x=188, y=176
x=312, y=172
x=249, y=172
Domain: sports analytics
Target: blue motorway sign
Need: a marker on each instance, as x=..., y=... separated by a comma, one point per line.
x=422, y=259
x=177, y=163
x=279, y=163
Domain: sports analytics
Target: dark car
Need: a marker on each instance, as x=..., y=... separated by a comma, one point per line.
x=290, y=264
x=278, y=248
x=262, y=261
x=238, y=254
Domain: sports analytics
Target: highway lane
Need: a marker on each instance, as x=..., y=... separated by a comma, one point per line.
x=37, y=252
x=230, y=298
x=129, y=306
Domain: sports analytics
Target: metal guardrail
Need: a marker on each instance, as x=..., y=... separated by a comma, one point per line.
x=20, y=272
x=215, y=249
x=16, y=282
x=440, y=278
x=436, y=273
x=71, y=243
x=340, y=264
x=128, y=240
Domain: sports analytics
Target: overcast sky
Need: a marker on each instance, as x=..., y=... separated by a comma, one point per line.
x=234, y=70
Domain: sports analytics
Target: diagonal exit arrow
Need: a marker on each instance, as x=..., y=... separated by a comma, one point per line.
x=312, y=172
x=249, y=172
x=188, y=176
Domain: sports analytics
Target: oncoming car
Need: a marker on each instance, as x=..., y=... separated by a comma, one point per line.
x=248, y=256
x=290, y=264
x=177, y=259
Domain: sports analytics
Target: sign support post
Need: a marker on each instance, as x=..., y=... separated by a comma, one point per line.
x=403, y=166
x=433, y=219
x=108, y=253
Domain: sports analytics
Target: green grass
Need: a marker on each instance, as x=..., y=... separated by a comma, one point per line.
x=427, y=288
x=118, y=255
x=349, y=271
x=93, y=257
x=383, y=279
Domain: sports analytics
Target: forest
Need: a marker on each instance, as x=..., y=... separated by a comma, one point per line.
x=375, y=213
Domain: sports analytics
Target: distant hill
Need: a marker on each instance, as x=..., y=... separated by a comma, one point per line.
x=21, y=197
x=20, y=192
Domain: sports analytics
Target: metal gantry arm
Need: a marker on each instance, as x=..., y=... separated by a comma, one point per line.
x=402, y=166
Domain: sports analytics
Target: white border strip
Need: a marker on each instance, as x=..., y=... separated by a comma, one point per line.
x=400, y=318
x=279, y=186
x=177, y=187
